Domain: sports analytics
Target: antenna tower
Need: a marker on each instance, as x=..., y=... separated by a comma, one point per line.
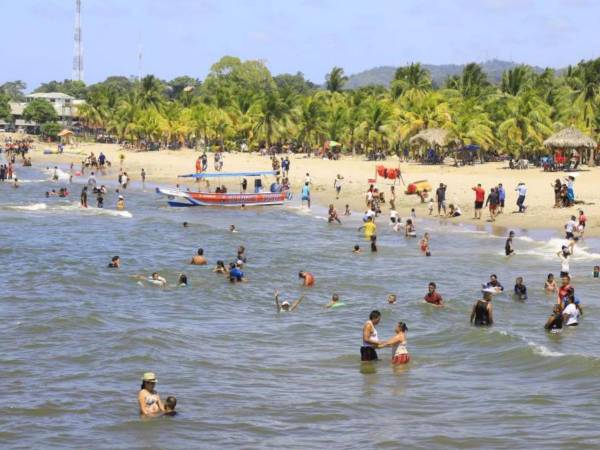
x=77, y=49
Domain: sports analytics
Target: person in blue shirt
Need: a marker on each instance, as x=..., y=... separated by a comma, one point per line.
x=235, y=273
x=306, y=194
x=502, y=198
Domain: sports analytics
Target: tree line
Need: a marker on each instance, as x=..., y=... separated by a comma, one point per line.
x=241, y=102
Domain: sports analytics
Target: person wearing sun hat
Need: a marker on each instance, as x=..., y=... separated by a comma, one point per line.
x=148, y=398
x=481, y=315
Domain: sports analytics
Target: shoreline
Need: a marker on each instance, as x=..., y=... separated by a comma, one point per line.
x=163, y=167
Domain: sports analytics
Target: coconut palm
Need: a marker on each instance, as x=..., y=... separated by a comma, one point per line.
x=377, y=119
x=150, y=93
x=517, y=79
x=335, y=79
x=271, y=112
x=412, y=80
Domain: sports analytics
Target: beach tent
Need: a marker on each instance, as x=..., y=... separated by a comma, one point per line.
x=574, y=140
x=435, y=139
x=66, y=135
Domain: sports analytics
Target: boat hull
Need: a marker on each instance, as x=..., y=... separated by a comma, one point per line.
x=177, y=198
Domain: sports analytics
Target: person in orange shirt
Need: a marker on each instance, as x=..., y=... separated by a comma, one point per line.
x=308, y=278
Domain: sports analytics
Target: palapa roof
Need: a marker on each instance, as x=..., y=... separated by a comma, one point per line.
x=65, y=132
x=432, y=136
x=570, y=138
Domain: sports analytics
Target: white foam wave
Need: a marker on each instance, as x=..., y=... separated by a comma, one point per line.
x=61, y=174
x=543, y=351
x=33, y=207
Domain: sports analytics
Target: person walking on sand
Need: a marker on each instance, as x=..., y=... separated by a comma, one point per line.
x=492, y=201
x=501, y=197
x=522, y=190
x=440, y=195
x=337, y=184
x=479, y=198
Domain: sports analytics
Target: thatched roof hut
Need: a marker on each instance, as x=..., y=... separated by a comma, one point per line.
x=572, y=138
x=435, y=137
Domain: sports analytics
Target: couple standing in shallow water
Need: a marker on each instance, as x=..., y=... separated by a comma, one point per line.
x=371, y=341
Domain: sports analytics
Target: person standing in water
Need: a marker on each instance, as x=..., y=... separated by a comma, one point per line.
x=370, y=339
x=424, y=245
x=398, y=343
x=199, y=259
x=306, y=194
x=285, y=306
x=550, y=284
x=481, y=315
x=432, y=296
x=83, y=197
x=143, y=176
x=307, y=278
x=369, y=227
x=508, y=247
x=148, y=399
x=554, y=324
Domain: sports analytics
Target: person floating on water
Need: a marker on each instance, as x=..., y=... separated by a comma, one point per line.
x=199, y=259
x=370, y=339
x=494, y=284
x=335, y=302
x=148, y=399
x=520, y=289
x=508, y=247
x=432, y=296
x=115, y=262
x=286, y=306
x=398, y=343
x=482, y=315
x=307, y=278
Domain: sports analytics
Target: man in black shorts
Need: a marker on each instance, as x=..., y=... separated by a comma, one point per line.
x=440, y=195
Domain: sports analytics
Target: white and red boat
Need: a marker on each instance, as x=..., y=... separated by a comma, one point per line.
x=180, y=198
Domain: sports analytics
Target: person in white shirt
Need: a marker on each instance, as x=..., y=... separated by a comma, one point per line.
x=571, y=313
x=337, y=184
x=570, y=228
x=564, y=256
x=91, y=181
x=522, y=189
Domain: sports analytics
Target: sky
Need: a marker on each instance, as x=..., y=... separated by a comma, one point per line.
x=185, y=37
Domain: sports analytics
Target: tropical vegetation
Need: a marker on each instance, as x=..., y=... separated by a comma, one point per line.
x=241, y=102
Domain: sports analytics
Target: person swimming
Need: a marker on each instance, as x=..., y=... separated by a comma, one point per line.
x=356, y=249
x=115, y=262
x=286, y=306
x=232, y=229
x=391, y=299
x=494, y=284
x=482, y=315
x=235, y=273
x=182, y=281
x=335, y=302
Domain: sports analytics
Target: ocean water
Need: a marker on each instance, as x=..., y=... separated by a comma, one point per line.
x=76, y=336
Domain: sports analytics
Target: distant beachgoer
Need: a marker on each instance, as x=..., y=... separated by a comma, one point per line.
x=241, y=254
x=440, y=195
x=564, y=289
x=232, y=229
x=391, y=299
x=424, y=245
x=307, y=179
x=143, y=176
x=199, y=259
x=369, y=227
x=170, y=404
x=220, y=267
x=398, y=343
x=337, y=184
x=120, y=203
x=235, y=273
x=479, y=199
x=492, y=200
x=148, y=399
x=308, y=278
x=335, y=302
x=124, y=180
x=370, y=340
x=581, y=221
x=16, y=182
x=481, y=315
x=244, y=185
x=520, y=289
x=347, y=211
x=286, y=306
x=433, y=296
x=522, y=189
x=356, y=249
x=494, y=284
x=571, y=313
x=596, y=272
x=550, y=284
x=564, y=255
x=185, y=224
x=374, y=243
x=333, y=215
x=409, y=229
x=306, y=194
x=182, y=281
x=413, y=214
x=115, y=262
x=454, y=211
x=430, y=206
x=571, y=227
x=554, y=324
x=83, y=197
x=508, y=247
x=501, y=197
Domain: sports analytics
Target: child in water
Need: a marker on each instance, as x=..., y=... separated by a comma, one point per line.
x=170, y=404
x=373, y=243
x=430, y=206
x=550, y=284
x=424, y=244
x=520, y=289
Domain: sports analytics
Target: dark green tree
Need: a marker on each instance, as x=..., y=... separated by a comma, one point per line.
x=40, y=111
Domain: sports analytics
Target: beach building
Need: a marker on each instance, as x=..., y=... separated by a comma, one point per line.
x=64, y=105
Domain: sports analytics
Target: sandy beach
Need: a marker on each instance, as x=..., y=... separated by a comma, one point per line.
x=162, y=168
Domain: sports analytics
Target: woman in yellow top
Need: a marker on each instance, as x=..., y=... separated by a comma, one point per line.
x=370, y=228
x=121, y=203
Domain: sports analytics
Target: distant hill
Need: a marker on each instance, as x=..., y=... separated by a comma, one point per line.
x=384, y=75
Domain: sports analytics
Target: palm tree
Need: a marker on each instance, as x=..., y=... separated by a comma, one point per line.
x=309, y=117
x=336, y=79
x=271, y=112
x=473, y=81
x=516, y=79
x=376, y=122
x=412, y=80
x=150, y=93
